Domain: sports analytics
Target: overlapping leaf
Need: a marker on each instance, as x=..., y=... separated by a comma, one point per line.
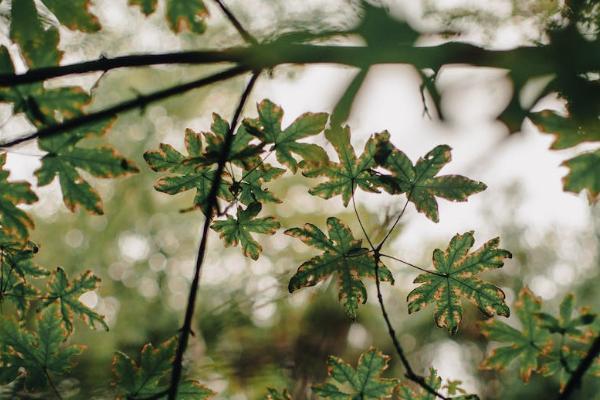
x=525, y=345
x=182, y=15
x=64, y=158
x=149, y=376
x=350, y=172
x=41, y=353
x=239, y=230
x=251, y=186
x=343, y=256
x=188, y=174
x=455, y=277
x=14, y=221
x=66, y=295
x=412, y=391
x=267, y=127
x=364, y=382
x=584, y=174
x=419, y=181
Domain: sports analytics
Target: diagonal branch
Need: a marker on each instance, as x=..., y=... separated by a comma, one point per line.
x=140, y=101
x=236, y=23
x=211, y=204
x=584, y=365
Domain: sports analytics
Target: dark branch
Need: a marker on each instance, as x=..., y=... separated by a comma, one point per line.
x=211, y=205
x=236, y=23
x=140, y=101
x=584, y=365
x=539, y=60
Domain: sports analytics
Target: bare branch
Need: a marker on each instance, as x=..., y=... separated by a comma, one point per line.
x=584, y=365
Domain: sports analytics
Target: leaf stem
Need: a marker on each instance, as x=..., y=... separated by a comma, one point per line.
x=584, y=365
x=236, y=23
x=410, y=264
x=210, y=206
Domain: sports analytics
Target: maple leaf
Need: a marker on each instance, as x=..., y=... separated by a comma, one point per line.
x=39, y=47
x=267, y=127
x=182, y=15
x=189, y=175
x=17, y=267
x=342, y=255
x=349, y=173
x=583, y=174
x=74, y=14
x=148, y=377
x=411, y=391
x=65, y=158
x=567, y=131
x=526, y=345
x=420, y=181
x=41, y=353
x=251, y=186
x=238, y=230
x=454, y=277
x=147, y=6
x=14, y=221
x=66, y=294
x=363, y=383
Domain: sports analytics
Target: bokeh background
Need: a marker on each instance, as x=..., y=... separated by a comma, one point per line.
x=250, y=333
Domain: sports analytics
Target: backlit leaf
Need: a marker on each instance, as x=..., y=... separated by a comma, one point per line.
x=566, y=130
x=455, y=277
x=420, y=182
x=411, y=391
x=251, y=186
x=186, y=15
x=14, y=221
x=525, y=345
x=364, y=382
x=344, y=256
x=351, y=172
x=41, y=353
x=147, y=6
x=66, y=295
x=74, y=14
x=584, y=174
x=238, y=230
x=267, y=127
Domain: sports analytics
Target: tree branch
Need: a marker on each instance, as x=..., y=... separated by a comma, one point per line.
x=539, y=60
x=140, y=101
x=211, y=203
x=584, y=365
x=236, y=23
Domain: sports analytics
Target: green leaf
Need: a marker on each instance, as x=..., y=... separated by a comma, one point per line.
x=41, y=353
x=567, y=131
x=420, y=181
x=238, y=230
x=14, y=221
x=39, y=47
x=251, y=186
x=411, y=391
x=147, y=6
x=66, y=295
x=566, y=323
x=349, y=173
x=149, y=376
x=525, y=345
x=267, y=127
x=455, y=277
x=188, y=174
x=186, y=15
x=342, y=255
x=362, y=383
x=74, y=14
x=64, y=158
x=584, y=174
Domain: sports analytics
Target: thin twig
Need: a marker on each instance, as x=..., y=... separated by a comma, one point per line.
x=52, y=385
x=208, y=209
x=236, y=23
x=380, y=245
x=584, y=365
x=410, y=264
x=140, y=101
x=360, y=221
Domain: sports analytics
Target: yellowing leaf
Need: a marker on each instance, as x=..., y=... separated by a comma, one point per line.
x=186, y=15
x=74, y=14
x=14, y=221
x=364, y=382
x=567, y=131
x=526, y=345
x=420, y=182
x=342, y=255
x=584, y=174
x=238, y=230
x=455, y=277
x=267, y=127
